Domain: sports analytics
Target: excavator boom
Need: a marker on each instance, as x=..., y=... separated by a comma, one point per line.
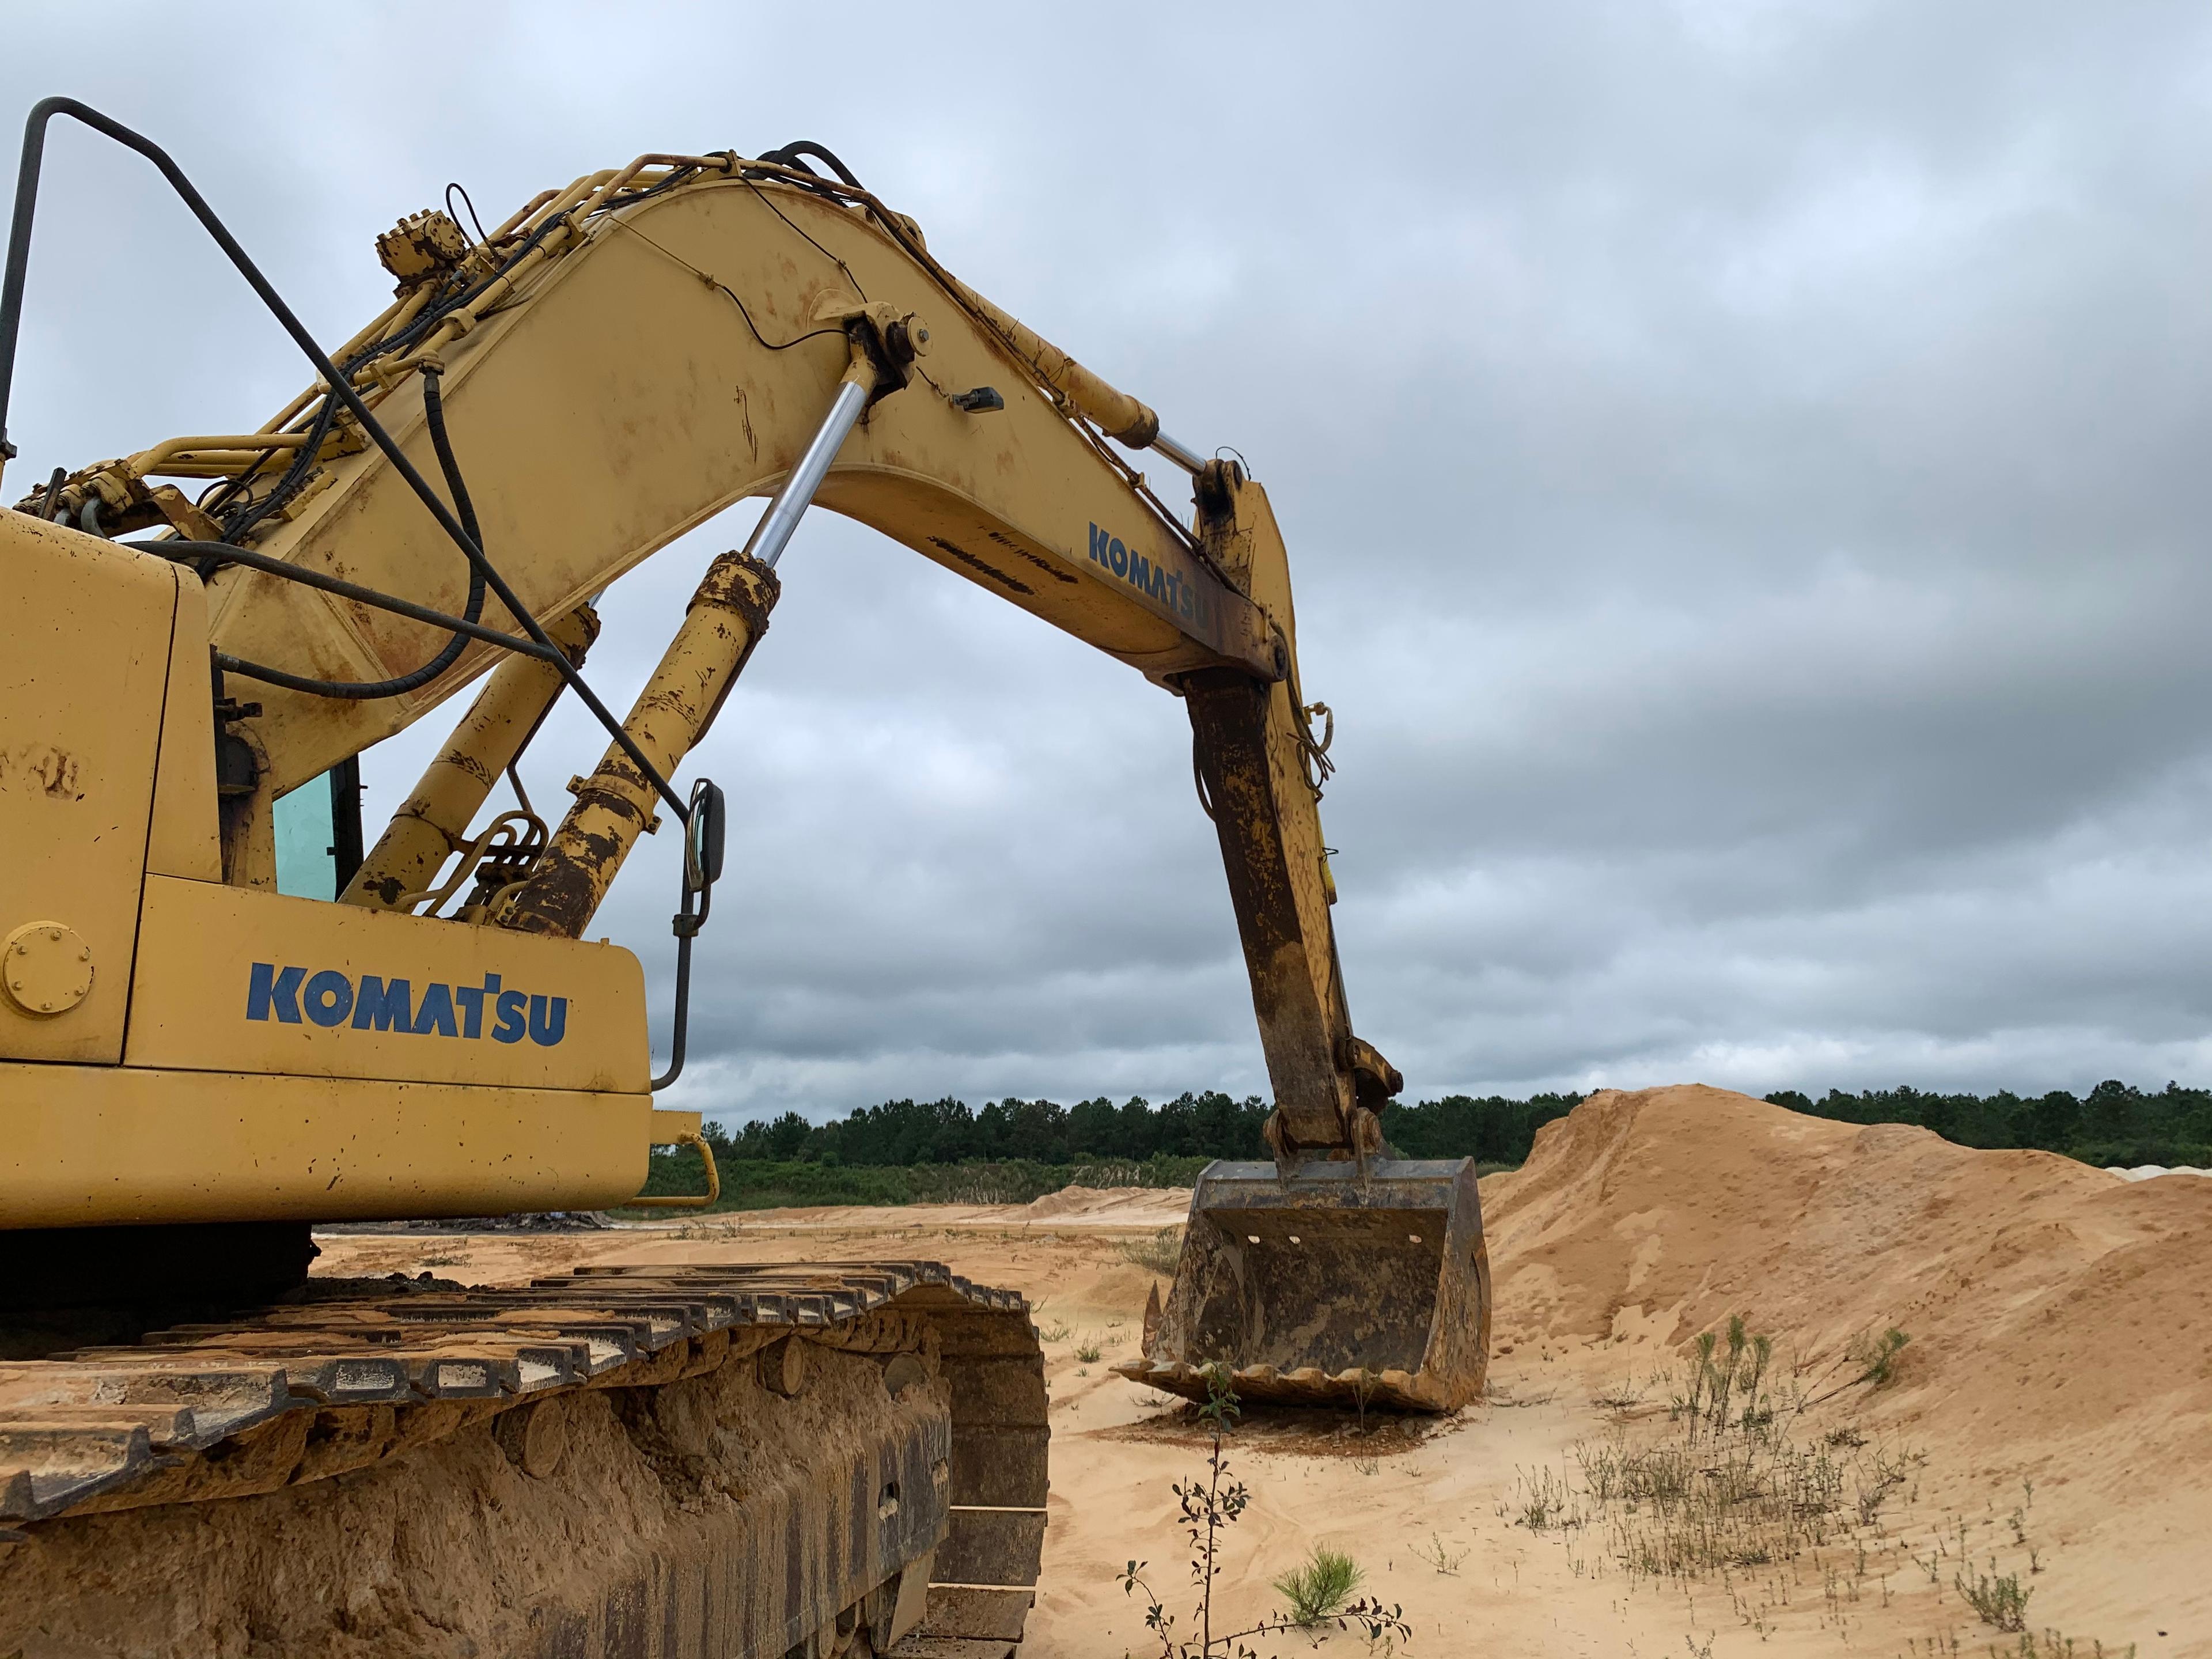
x=541, y=408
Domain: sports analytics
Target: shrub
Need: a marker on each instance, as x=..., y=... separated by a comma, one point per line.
x=1320, y=1589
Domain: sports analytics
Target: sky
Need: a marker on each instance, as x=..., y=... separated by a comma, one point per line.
x=1745, y=468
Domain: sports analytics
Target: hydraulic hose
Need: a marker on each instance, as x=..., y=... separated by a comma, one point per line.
x=433, y=410
x=11, y=311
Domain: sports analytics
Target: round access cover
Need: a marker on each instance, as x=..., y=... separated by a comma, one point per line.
x=47, y=968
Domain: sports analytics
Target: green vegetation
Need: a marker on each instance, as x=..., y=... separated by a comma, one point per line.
x=767, y=1185
x=1320, y=1589
x=1998, y=1599
x=2113, y=1124
x=1012, y=1151
x=1160, y=1252
x=1207, y=1506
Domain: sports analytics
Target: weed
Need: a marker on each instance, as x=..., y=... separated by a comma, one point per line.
x=1364, y=1384
x=1542, y=1501
x=1620, y=1396
x=2052, y=1646
x=1997, y=1600
x=1160, y=1252
x=1207, y=1507
x=1875, y=1357
x=1060, y=1332
x=1320, y=1588
x=1445, y=1561
x=440, y=1259
x=1088, y=1351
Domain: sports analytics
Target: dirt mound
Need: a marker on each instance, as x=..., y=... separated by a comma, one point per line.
x=1141, y=1206
x=2047, y=1301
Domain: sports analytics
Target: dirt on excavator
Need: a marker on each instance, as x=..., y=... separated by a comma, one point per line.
x=842, y=1460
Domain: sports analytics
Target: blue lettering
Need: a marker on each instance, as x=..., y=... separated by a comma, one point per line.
x=1140, y=572
x=548, y=1020
x=1118, y=556
x=329, y=997
x=271, y=989
x=471, y=998
x=376, y=1004
x=1099, y=539
x=384, y=1007
x=437, y=1011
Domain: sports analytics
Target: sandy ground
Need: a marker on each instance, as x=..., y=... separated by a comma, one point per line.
x=2048, y=1419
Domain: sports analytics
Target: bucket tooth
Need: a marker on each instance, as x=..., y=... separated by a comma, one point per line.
x=1337, y=1285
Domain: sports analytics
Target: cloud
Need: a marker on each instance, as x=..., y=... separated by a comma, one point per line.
x=1742, y=465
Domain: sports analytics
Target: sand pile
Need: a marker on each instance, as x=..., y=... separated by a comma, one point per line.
x=2060, y=1317
x=1137, y=1206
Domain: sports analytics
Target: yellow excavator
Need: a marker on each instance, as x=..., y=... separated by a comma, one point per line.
x=197, y=1067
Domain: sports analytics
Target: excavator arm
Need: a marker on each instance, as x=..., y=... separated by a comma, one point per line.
x=610, y=368
x=635, y=353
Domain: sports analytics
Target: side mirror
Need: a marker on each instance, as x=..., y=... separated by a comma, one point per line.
x=702, y=838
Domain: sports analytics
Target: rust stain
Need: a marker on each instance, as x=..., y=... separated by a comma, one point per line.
x=41, y=769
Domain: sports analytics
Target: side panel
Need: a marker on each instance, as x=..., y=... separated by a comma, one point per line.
x=90, y=628
x=93, y=1146
x=233, y=980
x=185, y=839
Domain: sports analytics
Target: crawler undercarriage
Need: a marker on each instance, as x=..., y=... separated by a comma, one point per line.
x=844, y=1460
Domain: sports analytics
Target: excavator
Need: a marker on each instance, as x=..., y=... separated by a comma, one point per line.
x=201, y=1443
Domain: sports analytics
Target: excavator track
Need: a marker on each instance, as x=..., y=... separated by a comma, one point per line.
x=831, y=1461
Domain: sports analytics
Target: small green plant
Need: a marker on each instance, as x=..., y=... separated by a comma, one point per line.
x=1542, y=1501
x=1620, y=1396
x=1160, y=1252
x=1209, y=1505
x=1997, y=1600
x=1088, y=1351
x=1445, y=1560
x=1364, y=1384
x=1320, y=1588
x=1874, y=1359
x=2053, y=1645
x=1060, y=1332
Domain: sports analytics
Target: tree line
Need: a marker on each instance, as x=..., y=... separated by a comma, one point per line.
x=908, y=1133
x=2113, y=1124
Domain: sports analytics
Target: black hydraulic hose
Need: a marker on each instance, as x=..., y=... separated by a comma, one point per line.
x=792, y=154
x=364, y=690
x=215, y=554
x=341, y=388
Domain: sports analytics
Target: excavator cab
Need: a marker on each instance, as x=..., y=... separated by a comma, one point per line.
x=1339, y=1286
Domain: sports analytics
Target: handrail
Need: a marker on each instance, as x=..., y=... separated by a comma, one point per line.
x=341, y=386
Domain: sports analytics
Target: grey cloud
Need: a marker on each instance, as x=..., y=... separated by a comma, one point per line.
x=1743, y=464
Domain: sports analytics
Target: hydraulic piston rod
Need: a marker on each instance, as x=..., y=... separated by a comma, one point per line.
x=773, y=532
x=726, y=619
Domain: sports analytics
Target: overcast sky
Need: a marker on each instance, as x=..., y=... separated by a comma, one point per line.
x=1745, y=469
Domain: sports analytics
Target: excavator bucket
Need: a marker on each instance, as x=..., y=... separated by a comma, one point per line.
x=1333, y=1287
